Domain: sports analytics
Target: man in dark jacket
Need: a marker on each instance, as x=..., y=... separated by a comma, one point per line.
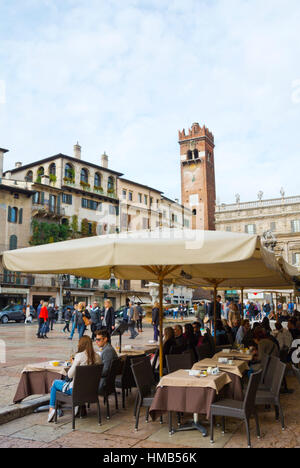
x=68, y=316
x=155, y=321
x=95, y=319
x=51, y=311
x=179, y=338
x=107, y=354
x=218, y=310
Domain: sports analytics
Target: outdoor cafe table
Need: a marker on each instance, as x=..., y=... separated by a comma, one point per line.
x=137, y=350
x=37, y=379
x=181, y=393
x=234, y=354
x=238, y=368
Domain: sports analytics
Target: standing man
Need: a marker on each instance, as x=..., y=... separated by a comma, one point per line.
x=155, y=320
x=139, y=321
x=73, y=320
x=43, y=318
x=132, y=320
x=51, y=311
x=95, y=319
x=38, y=310
x=68, y=317
x=108, y=317
x=218, y=311
x=201, y=312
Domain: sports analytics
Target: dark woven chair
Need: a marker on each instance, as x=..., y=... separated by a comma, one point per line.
x=297, y=373
x=146, y=386
x=242, y=410
x=178, y=361
x=126, y=381
x=110, y=387
x=268, y=367
x=272, y=396
x=204, y=351
x=85, y=390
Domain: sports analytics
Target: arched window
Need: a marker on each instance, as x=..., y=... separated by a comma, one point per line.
x=13, y=243
x=84, y=176
x=97, y=180
x=196, y=154
x=69, y=171
x=189, y=155
x=110, y=184
x=194, y=212
x=29, y=176
x=52, y=169
x=40, y=171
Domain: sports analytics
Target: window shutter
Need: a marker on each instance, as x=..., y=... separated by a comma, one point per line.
x=42, y=198
x=20, y=215
x=58, y=204
x=294, y=259
x=9, y=214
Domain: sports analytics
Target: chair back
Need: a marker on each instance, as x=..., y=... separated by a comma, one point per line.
x=211, y=342
x=249, y=400
x=178, y=361
x=278, y=377
x=204, y=351
x=111, y=377
x=127, y=375
x=296, y=372
x=264, y=366
x=143, y=376
x=86, y=383
x=270, y=371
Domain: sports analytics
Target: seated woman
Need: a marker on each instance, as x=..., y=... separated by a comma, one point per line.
x=169, y=343
x=85, y=356
x=221, y=337
x=264, y=346
x=189, y=336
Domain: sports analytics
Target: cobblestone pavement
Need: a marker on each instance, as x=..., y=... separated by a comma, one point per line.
x=33, y=430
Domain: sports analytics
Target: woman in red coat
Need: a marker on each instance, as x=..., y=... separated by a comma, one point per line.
x=43, y=321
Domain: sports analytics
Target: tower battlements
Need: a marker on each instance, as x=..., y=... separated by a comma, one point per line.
x=196, y=131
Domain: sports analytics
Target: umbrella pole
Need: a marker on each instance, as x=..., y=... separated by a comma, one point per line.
x=242, y=303
x=215, y=313
x=161, y=318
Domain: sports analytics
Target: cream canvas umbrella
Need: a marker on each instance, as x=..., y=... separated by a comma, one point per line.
x=202, y=258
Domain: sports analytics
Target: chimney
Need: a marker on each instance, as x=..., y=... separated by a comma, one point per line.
x=2, y=152
x=77, y=151
x=18, y=164
x=104, y=160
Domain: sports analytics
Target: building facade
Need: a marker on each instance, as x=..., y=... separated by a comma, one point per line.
x=279, y=218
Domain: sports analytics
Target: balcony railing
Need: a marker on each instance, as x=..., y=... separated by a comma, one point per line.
x=16, y=279
x=47, y=209
x=91, y=189
x=258, y=204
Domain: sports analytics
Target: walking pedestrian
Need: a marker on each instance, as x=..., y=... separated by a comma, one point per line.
x=74, y=323
x=68, y=317
x=155, y=320
x=139, y=322
x=201, y=312
x=28, y=318
x=38, y=310
x=95, y=319
x=43, y=321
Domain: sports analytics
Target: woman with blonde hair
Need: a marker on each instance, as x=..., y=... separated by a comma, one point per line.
x=85, y=356
x=233, y=314
x=108, y=316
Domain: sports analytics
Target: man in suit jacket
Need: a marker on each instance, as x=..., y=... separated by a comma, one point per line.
x=107, y=354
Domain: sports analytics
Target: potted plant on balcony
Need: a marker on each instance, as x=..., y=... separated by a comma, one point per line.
x=98, y=188
x=52, y=178
x=85, y=185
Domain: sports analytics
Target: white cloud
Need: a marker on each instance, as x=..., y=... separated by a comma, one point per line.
x=125, y=76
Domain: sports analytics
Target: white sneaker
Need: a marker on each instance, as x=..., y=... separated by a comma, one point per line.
x=76, y=410
x=51, y=415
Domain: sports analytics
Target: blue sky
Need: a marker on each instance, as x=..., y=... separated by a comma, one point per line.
x=124, y=76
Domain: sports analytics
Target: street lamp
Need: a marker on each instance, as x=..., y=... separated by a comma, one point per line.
x=61, y=281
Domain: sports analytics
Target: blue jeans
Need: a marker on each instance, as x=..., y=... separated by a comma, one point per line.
x=156, y=332
x=57, y=386
x=81, y=330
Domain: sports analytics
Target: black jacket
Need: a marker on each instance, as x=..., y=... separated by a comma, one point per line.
x=211, y=310
x=155, y=316
x=110, y=319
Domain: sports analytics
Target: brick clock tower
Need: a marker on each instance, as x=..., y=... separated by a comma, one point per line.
x=198, y=187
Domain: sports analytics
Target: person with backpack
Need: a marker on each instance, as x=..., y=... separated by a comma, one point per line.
x=139, y=322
